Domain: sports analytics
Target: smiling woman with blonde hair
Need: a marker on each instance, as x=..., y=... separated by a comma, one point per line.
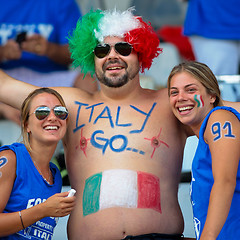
x=30, y=185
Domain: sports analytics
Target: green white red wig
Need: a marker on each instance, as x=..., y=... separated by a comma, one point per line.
x=94, y=26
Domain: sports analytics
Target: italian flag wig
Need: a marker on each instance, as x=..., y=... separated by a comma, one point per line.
x=94, y=26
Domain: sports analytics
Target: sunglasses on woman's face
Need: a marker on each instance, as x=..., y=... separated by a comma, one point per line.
x=123, y=48
x=44, y=111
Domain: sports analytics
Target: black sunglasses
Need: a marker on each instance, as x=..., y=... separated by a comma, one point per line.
x=43, y=111
x=123, y=48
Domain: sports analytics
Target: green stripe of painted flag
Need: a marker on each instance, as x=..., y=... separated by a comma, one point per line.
x=196, y=98
x=91, y=194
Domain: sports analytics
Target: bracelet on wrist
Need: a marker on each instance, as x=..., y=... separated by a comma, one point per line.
x=20, y=215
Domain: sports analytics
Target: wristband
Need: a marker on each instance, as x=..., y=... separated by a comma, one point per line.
x=20, y=215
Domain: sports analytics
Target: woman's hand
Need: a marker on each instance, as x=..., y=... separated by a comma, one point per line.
x=59, y=205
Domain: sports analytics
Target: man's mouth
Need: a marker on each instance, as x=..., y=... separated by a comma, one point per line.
x=114, y=68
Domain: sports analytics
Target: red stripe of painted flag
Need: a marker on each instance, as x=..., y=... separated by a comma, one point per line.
x=149, y=191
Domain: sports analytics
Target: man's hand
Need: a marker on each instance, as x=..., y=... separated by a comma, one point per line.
x=10, y=51
x=35, y=44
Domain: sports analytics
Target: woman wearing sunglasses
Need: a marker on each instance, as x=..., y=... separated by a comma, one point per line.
x=30, y=185
x=195, y=100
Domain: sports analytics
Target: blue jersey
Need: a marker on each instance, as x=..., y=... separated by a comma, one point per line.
x=217, y=19
x=53, y=19
x=30, y=189
x=201, y=185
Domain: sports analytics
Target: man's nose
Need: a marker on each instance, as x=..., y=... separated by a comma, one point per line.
x=113, y=53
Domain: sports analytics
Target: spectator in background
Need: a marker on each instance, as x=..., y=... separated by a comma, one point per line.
x=34, y=45
x=213, y=27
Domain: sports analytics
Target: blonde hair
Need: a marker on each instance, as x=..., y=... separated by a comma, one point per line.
x=25, y=108
x=203, y=74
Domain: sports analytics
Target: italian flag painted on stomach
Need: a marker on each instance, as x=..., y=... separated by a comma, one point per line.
x=121, y=188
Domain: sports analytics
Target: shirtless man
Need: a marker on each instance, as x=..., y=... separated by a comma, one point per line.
x=123, y=147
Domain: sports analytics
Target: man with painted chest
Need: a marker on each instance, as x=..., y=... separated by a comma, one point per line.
x=123, y=146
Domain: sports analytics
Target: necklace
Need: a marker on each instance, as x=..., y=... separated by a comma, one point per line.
x=49, y=173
